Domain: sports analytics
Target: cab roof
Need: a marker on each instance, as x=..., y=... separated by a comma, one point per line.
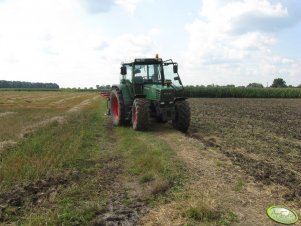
x=145, y=61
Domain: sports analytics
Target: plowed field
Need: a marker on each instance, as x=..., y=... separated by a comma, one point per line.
x=262, y=136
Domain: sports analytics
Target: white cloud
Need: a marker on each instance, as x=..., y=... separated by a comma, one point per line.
x=125, y=48
x=47, y=41
x=97, y=6
x=104, y=6
x=129, y=5
x=231, y=42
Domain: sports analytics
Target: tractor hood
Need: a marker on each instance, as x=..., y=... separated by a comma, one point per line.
x=157, y=92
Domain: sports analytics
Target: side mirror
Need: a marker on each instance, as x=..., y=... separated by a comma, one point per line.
x=178, y=79
x=175, y=68
x=123, y=70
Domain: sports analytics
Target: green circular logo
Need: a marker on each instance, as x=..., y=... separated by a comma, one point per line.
x=282, y=215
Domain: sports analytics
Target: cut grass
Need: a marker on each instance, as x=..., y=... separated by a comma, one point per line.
x=95, y=154
x=47, y=151
x=207, y=215
x=77, y=146
x=239, y=186
x=30, y=108
x=151, y=160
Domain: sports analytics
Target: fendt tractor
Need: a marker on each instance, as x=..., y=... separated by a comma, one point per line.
x=149, y=87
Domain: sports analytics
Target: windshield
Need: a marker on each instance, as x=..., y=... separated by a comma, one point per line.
x=173, y=77
x=150, y=73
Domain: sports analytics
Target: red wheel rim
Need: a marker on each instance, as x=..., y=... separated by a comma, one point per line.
x=115, y=107
x=134, y=116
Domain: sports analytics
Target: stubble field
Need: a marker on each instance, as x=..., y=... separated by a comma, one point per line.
x=63, y=163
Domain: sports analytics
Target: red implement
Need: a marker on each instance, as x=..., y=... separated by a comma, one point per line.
x=105, y=94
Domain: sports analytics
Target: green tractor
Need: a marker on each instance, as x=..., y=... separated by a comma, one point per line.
x=149, y=87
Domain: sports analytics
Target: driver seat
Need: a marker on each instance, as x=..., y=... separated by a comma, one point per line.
x=138, y=84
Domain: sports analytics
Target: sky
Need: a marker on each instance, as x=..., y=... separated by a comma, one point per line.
x=81, y=43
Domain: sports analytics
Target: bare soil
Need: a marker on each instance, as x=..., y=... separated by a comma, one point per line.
x=262, y=136
x=244, y=156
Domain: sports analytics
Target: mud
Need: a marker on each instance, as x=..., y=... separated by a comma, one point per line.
x=119, y=213
x=124, y=207
x=33, y=193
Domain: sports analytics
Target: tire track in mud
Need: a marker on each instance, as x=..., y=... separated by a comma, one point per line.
x=119, y=213
x=34, y=192
x=260, y=170
x=116, y=212
x=123, y=207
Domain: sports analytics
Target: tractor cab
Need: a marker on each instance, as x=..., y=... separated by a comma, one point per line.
x=151, y=73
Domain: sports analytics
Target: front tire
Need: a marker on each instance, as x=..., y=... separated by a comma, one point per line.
x=182, y=119
x=117, y=107
x=140, y=114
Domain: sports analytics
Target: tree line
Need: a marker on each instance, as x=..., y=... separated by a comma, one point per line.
x=28, y=85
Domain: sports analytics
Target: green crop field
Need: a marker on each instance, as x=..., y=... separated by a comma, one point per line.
x=63, y=163
x=236, y=92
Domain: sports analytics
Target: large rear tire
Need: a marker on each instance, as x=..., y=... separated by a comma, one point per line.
x=140, y=114
x=117, y=107
x=182, y=119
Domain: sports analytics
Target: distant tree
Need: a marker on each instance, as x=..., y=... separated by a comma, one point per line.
x=230, y=86
x=28, y=85
x=255, y=85
x=97, y=87
x=299, y=86
x=279, y=83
